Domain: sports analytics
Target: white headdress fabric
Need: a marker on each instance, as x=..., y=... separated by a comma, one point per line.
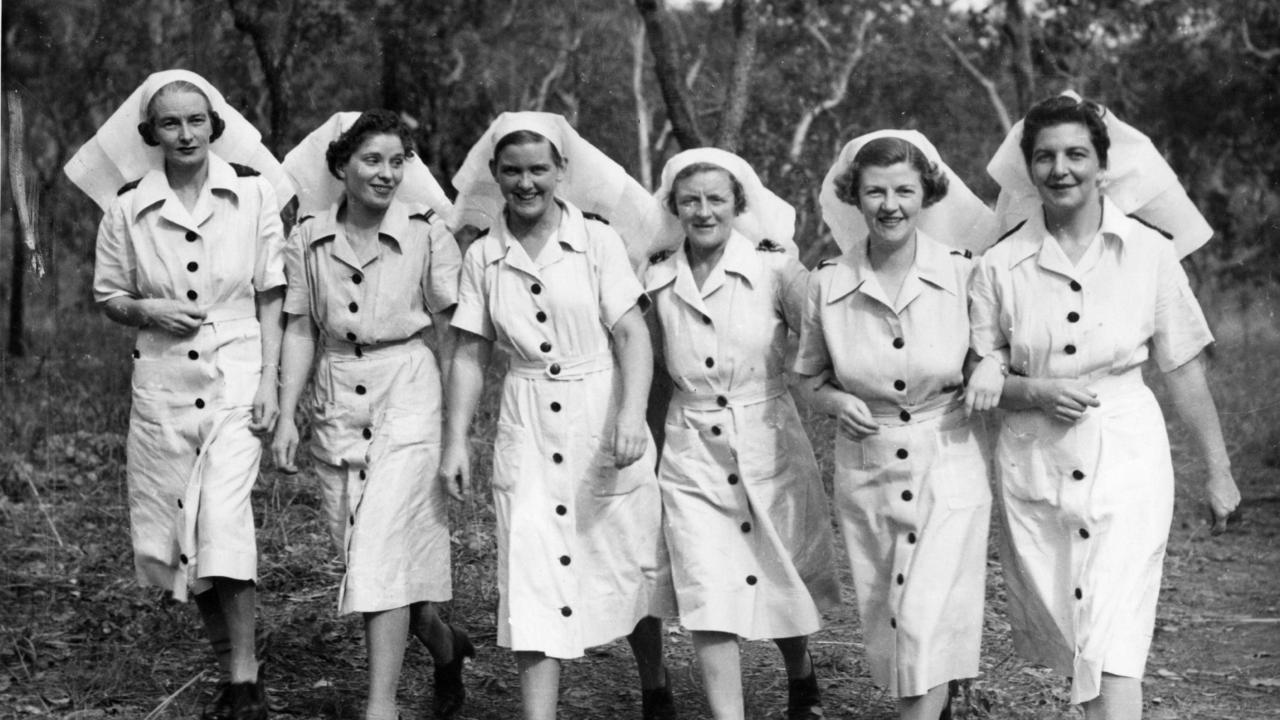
x=767, y=217
x=960, y=219
x=592, y=181
x=318, y=189
x=116, y=154
x=1137, y=180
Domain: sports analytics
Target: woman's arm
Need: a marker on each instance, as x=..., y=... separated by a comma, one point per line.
x=466, y=382
x=271, y=321
x=1065, y=399
x=444, y=342
x=176, y=317
x=984, y=380
x=853, y=416
x=296, y=356
x=1194, y=403
x=634, y=354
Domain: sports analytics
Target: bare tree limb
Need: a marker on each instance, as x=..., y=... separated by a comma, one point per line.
x=1267, y=55
x=666, y=67
x=1017, y=30
x=273, y=67
x=838, y=91
x=558, y=66
x=643, y=121
x=993, y=94
x=746, y=26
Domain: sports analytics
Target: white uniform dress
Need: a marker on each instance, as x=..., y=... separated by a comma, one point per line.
x=192, y=461
x=747, y=520
x=913, y=499
x=580, y=553
x=377, y=399
x=1087, y=506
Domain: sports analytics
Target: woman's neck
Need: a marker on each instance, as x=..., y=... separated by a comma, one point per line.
x=187, y=182
x=891, y=262
x=533, y=234
x=703, y=261
x=359, y=217
x=1075, y=228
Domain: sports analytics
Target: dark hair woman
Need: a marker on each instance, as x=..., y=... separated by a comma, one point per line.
x=1076, y=298
x=884, y=346
x=190, y=253
x=370, y=279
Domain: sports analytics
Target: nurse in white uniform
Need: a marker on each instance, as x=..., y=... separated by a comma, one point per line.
x=884, y=345
x=1075, y=298
x=581, y=559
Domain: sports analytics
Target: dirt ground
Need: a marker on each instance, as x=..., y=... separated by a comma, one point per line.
x=79, y=639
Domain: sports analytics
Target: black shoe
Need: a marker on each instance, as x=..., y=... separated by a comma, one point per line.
x=248, y=700
x=658, y=703
x=804, y=699
x=219, y=706
x=450, y=692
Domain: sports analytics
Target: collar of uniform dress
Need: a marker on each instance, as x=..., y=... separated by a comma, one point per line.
x=572, y=233
x=154, y=186
x=394, y=225
x=932, y=265
x=1028, y=241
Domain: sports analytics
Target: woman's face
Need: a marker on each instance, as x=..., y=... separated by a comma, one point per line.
x=705, y=205
x=1065, y=167
x=891, y=198
x=374, y=171
x=181, y=122
x=527, y=175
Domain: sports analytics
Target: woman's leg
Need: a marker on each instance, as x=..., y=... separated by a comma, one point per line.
x=1120, y=699
x=215, y=627
x=434, y=633
x=646, y=645
x=718, y=656
x=539, y=685
x=804, y=698
x=238, y=600
x=795, y=655
x=386, y=634
x=924, y=707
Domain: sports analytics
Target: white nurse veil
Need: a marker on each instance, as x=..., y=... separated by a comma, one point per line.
x=959, y=219
x=116, y=154
x=1138, y=181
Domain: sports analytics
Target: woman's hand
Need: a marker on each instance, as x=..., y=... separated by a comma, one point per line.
x=454, y=472
x=266, y=403
x=176, y=317
x=1064, y=399
x=854, y=417
x=985, y=386
x=629, y=439
x=1224, y=498
x=284, y=446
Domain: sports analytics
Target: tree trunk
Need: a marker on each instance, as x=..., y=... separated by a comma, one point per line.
x=1018, y=32
x=644, y=162
x=273, y=65
x=746, y=27
x=666, y=67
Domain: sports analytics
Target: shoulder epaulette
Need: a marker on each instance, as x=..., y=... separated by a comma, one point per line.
x=424, y=216
x=1012, y=230
x=304, y=218
x=829, y=262
x=128, y=186
x=594, y=216
x=963, y=253
x=1167, y=235
x=767, y=245
x=481, y=234
x=658, y=257
x=244, y=170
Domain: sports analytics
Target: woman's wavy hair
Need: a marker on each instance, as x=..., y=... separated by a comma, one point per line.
x=886, y=151
x=1064, y=110
x=371, y=122
x=526, y=137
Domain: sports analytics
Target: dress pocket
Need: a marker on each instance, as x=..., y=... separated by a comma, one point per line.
x=1024, y=456
x=511, y=454
x=607, y=479
x=962, y=467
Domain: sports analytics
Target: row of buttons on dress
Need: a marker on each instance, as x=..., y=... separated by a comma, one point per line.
x=733, y=478
x=1072, y=317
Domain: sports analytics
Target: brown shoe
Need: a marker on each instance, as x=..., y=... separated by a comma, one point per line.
x=248, y=700
x=658, y=703
x=804, y=698
x=451, y=693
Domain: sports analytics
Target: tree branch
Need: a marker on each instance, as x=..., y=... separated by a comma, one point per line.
x=746, y=26
x=666, y=67
x=993, y=95
x=1266, y=55
x=643, y=120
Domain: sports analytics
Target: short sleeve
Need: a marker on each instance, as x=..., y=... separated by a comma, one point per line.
x=472, y=313
x=620, y=290
x=812, y=356
x=792, y=288
x=1181, y=331
x=985, y=334
x=440, y=282
x=297, y=297
x=115, y=270
x=268, y=266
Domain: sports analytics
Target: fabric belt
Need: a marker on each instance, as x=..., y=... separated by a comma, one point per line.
x=242, y=309
x=747, y=394
x=932, y=409
x=561, y=368
x=341, y=348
